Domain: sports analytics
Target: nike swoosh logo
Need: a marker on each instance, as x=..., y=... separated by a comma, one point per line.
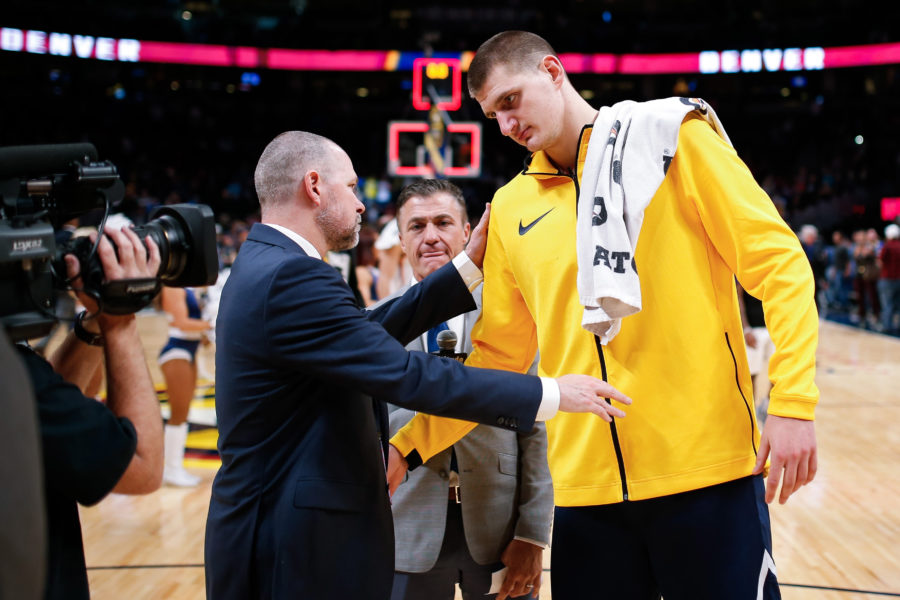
x=523, y=229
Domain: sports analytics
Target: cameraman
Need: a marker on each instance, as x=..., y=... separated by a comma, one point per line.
x=91, y=449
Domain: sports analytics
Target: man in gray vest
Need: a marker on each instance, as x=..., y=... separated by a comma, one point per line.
x=487, y=501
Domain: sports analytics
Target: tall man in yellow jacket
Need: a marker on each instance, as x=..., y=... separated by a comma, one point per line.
x=674, y=495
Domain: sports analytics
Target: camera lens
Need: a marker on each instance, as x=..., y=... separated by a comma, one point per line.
x=173, y=250
x=186, y=236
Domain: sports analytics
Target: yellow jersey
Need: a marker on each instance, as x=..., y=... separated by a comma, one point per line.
x=681, y=358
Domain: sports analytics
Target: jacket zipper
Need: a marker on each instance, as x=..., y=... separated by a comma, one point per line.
x=612, y=424
x=737, y=382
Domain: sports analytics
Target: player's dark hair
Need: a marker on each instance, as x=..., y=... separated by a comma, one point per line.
x=516, y=50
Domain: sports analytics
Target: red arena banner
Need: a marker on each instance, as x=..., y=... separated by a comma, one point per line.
x=326, y=60
x=872, y=54
x=704, y=62
x=658, y=63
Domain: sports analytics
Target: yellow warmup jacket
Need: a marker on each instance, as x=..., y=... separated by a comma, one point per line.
x=681, y=358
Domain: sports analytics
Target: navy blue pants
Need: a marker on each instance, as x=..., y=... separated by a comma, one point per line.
x=709, y=544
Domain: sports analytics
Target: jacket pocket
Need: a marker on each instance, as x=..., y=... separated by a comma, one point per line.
x=332, y=495
x=508, y=463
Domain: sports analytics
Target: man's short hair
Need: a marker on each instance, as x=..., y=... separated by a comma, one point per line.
x=286, y=160
x=425, y=188
x=809, y=231
x=517, y=50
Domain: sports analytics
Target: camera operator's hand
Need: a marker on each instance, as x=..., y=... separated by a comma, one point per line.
x=132, y=262
x=130, y=391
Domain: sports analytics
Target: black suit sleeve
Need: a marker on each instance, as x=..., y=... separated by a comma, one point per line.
x=315, y=328
x=440, y=296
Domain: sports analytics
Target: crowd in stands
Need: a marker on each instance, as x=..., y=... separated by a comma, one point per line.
x=857, y=276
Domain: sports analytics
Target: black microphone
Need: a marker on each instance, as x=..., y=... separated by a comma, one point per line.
x=42, y=159
x=446, y=341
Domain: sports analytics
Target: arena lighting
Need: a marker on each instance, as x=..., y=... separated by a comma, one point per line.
x=398, y=128
x=432, y=71
x=473, y=169
x=709, y=61
x=890, y=208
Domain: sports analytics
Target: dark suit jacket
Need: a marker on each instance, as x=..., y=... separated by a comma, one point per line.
x=299, y=508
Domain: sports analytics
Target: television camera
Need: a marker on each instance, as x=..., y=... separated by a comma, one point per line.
x=44, y=186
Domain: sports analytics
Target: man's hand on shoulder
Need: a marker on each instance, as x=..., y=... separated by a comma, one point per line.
x=478, y=239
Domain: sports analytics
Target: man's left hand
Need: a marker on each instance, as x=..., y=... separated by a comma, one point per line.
x=792, y=443
x=397, y=468
x=524, y=563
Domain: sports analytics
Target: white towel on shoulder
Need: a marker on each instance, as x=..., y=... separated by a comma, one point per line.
x=631, y=147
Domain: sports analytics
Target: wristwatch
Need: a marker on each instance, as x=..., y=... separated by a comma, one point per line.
x=88, y=337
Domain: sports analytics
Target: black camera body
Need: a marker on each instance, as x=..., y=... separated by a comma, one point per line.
x=41, y=188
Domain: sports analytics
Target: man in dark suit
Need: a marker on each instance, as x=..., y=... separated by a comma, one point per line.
x=299, y=508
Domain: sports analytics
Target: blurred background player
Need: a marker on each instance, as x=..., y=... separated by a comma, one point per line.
x=759, y=349
x=865, y=253
x=889, y=283
x=367, y=271
x=393, y=268
x=178, y=363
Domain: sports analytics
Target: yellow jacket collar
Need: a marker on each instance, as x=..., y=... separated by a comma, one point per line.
x=540, y=165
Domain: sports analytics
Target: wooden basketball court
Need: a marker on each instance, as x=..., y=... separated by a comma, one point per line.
x=836, y=539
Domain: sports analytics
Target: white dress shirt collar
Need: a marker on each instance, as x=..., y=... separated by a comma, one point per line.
x=299, y=239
